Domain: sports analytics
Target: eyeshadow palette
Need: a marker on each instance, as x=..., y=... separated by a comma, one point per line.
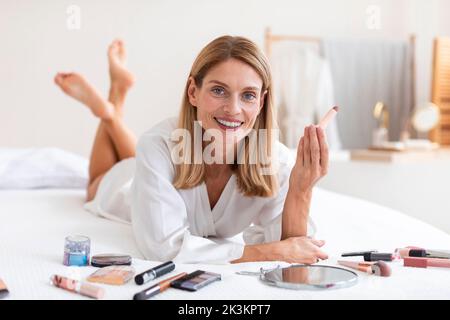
x=195, y=280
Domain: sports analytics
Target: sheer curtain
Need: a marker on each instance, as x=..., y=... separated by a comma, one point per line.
x=303, y=90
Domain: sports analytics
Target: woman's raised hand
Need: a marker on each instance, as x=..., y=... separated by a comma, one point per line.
x=312, y=160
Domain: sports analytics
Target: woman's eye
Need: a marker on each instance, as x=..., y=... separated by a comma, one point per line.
x=248, y=96
x=218, y=91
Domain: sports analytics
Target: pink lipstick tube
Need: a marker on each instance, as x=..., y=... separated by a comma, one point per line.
x=426, y=262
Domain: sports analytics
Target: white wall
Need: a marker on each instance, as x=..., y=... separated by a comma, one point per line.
x=163, y=38
x=418, y=188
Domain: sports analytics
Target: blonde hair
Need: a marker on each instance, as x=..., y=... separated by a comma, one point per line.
x=250, y=180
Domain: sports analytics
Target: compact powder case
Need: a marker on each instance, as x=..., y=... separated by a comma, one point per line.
x=106, y=260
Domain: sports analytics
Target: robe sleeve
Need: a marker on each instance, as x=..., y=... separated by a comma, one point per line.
x=159, y=215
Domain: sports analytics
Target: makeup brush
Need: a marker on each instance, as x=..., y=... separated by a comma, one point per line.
x=378, y=268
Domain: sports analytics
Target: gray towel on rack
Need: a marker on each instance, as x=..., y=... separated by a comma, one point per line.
x=365, y=72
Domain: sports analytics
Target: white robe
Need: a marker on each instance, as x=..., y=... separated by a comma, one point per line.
x=179, y=225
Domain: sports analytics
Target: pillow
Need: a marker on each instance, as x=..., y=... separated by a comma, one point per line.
x=42, y=168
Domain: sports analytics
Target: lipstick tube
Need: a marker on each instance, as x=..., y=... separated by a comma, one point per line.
x=426, y=262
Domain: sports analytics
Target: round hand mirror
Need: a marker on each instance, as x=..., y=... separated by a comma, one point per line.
x=426, y=118
x=310, y=277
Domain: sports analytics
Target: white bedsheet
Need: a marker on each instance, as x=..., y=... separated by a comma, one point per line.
x=33, y=224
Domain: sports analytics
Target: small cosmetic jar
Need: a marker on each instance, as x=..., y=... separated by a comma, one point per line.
x=76, y=251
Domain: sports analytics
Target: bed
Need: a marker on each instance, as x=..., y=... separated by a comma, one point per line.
x=34, y=224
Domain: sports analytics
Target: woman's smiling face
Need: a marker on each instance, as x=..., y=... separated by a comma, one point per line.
x=229, y=99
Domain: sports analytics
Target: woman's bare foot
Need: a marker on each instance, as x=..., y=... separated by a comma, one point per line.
x=76, y=86
x=121, y=77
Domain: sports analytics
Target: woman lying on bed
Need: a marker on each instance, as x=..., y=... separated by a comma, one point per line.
x=187, y=208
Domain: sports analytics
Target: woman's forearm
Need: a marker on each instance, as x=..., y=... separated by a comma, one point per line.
x=310, y=166
x=260, y=252
x=295, y=213
x=292, y=250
